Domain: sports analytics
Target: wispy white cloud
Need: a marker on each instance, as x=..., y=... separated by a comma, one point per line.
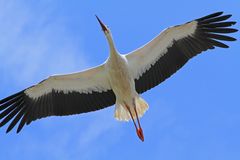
x=35, y=43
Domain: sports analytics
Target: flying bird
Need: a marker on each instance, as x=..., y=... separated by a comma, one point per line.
x=121, y=79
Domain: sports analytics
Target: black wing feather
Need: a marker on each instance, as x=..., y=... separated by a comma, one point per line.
x=206, y=36
x=16, y=119
x=20, y=107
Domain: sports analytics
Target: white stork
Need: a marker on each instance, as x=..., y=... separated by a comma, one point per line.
x=120, y=79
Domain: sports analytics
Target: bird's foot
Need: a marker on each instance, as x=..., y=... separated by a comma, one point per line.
x=140, y=134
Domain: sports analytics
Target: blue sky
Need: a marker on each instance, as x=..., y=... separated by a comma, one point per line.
x=194, y=115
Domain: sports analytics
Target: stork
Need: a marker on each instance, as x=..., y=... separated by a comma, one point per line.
x=121, y=79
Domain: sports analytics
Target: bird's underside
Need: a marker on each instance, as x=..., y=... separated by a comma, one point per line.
x=123, y=85
x=129, y=105
x=114, y=82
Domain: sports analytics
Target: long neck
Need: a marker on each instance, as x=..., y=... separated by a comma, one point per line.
x=113, y=51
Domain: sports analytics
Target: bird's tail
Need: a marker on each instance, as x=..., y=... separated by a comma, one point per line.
x=122, y=114
x=141, y=106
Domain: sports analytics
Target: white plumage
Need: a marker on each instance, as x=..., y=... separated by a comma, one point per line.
x=143, y=58
x=94, y=79
x=121, y=79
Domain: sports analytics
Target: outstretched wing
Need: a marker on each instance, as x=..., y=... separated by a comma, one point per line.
x=58, y=95
x=168, y=52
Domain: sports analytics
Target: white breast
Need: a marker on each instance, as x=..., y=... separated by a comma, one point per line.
x=120, y=78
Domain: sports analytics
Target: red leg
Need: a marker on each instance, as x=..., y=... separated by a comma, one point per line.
x=131, y=116
x=137, y=117
x=138, y=130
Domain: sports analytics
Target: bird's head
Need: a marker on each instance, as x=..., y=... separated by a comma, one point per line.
x=104, y=27
x=108, y=35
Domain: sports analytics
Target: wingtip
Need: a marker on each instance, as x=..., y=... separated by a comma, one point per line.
x=229, y=15
x=225, y=46
x=235, y=30
x=219, y=13
x=234, y=39
x=209, y=16
x=18, y=130
x=8, y=130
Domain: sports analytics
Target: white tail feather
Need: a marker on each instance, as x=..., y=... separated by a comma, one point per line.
x=122, y=114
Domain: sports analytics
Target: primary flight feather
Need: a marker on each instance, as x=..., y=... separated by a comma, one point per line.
x=121, y=78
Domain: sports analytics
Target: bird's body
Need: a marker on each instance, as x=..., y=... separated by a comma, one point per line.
x=121, y=79
x=123, y=86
